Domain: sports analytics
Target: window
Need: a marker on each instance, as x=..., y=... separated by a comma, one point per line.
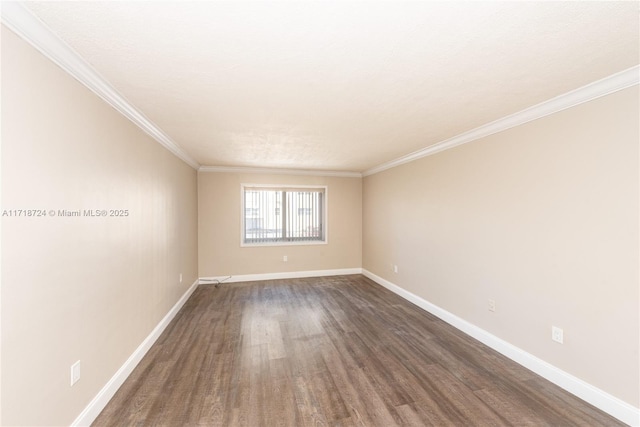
x=283, y=215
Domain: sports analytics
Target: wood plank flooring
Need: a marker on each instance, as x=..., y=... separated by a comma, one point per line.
x=329, y=351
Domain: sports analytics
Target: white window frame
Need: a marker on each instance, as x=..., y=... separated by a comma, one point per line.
x=291, y=187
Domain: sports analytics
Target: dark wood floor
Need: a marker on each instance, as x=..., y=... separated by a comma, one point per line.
x=332, y=351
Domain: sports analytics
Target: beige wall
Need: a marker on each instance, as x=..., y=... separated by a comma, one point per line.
x=543, y=218
x=88, y=289
x=219, y=220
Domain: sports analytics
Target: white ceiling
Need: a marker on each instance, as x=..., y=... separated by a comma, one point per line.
x=342, y=85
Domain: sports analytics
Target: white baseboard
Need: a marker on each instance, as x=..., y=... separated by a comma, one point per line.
x=285, y=275
x=593, y=395
x=91, y=412
x=585, y=391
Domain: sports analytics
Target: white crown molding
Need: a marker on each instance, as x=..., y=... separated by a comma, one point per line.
x=20, y=20
x=26, y=25
x=605, y=86
x=275, y=171
x=585, y=391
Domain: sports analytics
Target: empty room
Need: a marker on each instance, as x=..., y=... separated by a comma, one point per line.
x=320, y=213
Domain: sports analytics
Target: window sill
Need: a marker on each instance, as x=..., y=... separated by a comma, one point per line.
x=303, y=243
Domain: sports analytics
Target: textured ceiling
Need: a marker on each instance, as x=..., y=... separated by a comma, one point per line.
x=339, y=85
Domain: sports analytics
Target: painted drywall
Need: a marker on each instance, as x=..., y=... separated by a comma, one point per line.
x=219, y=218
x=543, y=219
x=80, y=287
x=340, y=85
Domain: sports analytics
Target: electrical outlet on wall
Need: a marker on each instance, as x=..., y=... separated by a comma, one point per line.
x=492, y=305
x=395, y=268
x=285, y=258
x=75, y=372
x=557, y=334
x=180, y=277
